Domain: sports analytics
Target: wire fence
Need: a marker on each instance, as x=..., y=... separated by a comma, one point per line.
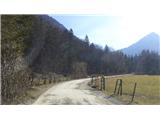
x=115, y=87
x=129, y=88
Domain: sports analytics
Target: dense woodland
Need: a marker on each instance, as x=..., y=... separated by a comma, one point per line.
x=40, y=45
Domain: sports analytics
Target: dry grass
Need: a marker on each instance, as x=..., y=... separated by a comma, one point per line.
x=147, y=91
x=32, y=94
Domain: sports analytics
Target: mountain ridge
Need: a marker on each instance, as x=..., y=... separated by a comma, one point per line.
x=149, y=42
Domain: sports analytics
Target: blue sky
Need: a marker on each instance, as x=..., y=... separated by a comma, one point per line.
x=115, y=31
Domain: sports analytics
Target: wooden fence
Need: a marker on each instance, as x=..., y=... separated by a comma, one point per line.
x=100, y=83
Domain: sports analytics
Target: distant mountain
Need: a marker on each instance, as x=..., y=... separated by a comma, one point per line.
x=150, y=42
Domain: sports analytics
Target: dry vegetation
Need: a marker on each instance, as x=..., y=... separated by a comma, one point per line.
x=39, y=85
x=32, y=94
x=147, y=91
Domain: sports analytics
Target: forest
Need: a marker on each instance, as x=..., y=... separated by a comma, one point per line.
x=38, y=44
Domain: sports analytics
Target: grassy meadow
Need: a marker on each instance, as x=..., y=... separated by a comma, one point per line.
x=147, y=90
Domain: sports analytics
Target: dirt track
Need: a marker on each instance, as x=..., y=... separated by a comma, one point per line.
x=75, y=92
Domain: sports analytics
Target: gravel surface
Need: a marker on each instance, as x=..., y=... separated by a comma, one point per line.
x=75, y=92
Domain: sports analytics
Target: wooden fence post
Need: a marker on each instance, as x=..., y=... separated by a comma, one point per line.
x=99, y=83
x=32, y=78
x=116, y=87
x=44, y=82
x=103, y=83
x=121, y=87
x=50, y=79
x=92, y=81
x=134, y=90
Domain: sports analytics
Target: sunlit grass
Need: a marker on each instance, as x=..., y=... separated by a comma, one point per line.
x=147, y=91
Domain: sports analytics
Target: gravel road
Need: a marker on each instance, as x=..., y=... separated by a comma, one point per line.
x=75, y=92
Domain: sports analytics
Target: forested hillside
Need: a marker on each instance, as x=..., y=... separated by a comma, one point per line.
x=38, y=44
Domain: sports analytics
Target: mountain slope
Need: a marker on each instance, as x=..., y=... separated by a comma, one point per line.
x=150, y=42
x=38, y=47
